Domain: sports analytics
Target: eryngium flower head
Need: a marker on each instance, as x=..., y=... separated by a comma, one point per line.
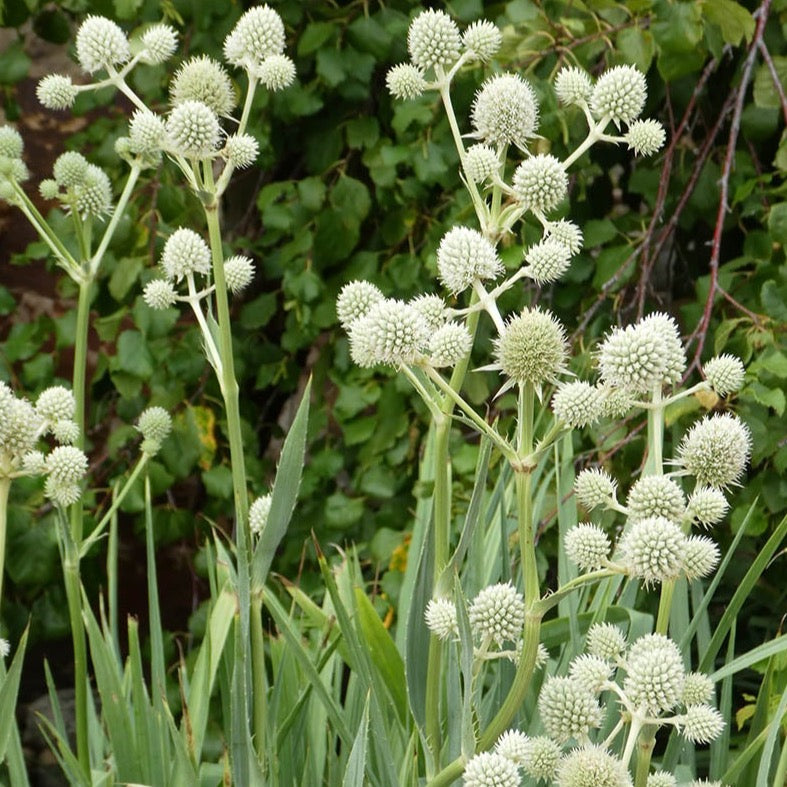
x=11, y=143
x=532, y=348
x=440, y=617
x=707, y=505
x=193, y=129
x=656, y=495
x=591, y=672
x=724, y=373
x=573, y=86
x=540, y=183
x=94, y=193
x=241, y=150
x=464, y=255
x=645, y=137
x=238, y=273
x=490, y=769
x=669, y=334
x=65, y=431
x=595, y=487
x=66, y=464
x=661, y=779
x=159, y=294
x=354, y=301
x=617, y=401
x=185, y=252
x=700, y=557
x=654, y=674
x=259, y=512
x=606, y=641
x=505, y=111
x=567, y=233
x=7, y=400
x=592, y=766
x=547, y=261
x=498, y=613
x=61, y=495
x=275, y=72
x=697, y=689
x=701, y=724
x=55, y=404
x=56, y=91
x=154, y=424
x=620, y=94
x=101, y=43
x=20, y=426
x=715, y=450
x=481, y=163
x=449, y=344
x=70, y=169
x=203, y=79
x=147, y=133
x=433, y=39
x=513, y=745
x=568, y=710
x=587, y=546
x=405, y=81
x=577, y=404
x=482, y=39
x=34, y=463
x=432, y=309
x=391, y=332
x=258, y=34
x=653, y=549
x=160, y=43
x=540, y=758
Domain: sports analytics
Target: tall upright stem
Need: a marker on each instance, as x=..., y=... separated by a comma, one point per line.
x=5, y=488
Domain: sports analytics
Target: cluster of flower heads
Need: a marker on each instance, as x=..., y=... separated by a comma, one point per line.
x=13, y=169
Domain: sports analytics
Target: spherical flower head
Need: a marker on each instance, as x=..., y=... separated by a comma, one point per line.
x=159, y=43
x=354, y=301
x=595, y=487
x=573, y=86
x=70, y=169
x=258, y=34
x=661, y=779
x=159, y=294
x=498, y=613
x=591, y=672
x=203, y=79
x=238, y=273
x=632, y=358
x=464, y=255
x=394, y=332
x=432, y=309
x=653, y=549
x=62, y=495
x=56, y=91
x=193, y=129
x=532, y=348
x=8, y=192
x=547, y=261
x=707, y=506
x=34, y=463
x=275, y=72
x=540, y=758
x=449, y=344
x=577, y=404
x=101, y=43
x=619, y=94
x=56, y=403
x=66, y=464
x=505, y=111
x=645, y=137
x=617, y=401
x=65, y=431
x=147, y=133
x=94, y=193
x=5, y=647
x=606, y=641
x=440, y=617
x=14, y=169
x=49, y=189
x=668, y=332
x=540, y=183
x=241, y=150
x=700, y=557
x=433, y=39
x=405, y=81
x=716, y=450
x=567, y=233
x=21, y=430
x=361, y=336
x=656, y=495
x=587, y=546
x=592, y=766
x=489, y=769
x=513, y=745
x=259, y=512
x=567, y=709
x=697, y=689
x=185, y=253
x=154, y=424
x=482, y=39
x=481, y=163
x=724, y=373
x=7, y=400
x=11, y=143
x=654, y=674
x=701, y=724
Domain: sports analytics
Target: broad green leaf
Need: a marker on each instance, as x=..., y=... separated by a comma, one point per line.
x=777, y=223
x=765, y=93
x=733, y=19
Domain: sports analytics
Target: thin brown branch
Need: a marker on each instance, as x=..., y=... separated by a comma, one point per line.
x=777, y=83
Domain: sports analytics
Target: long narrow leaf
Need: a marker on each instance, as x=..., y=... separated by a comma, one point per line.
x=760, y=653
x=8, y=694
x=157, y=666
x=356, y=763
x=766, y=760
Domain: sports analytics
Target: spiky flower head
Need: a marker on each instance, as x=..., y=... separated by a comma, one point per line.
x=433, y=39
x=716, y=450
x=405, y=81
x=653, y=549
x=159, y=43
x=606, y=641
x=432, y=308
x=62, y=495
x=154, y=424
x=34, y=463
x=20, y=428
x=391, y=332
x=94, y=193
x=147, y=133
x=701, y=724
x=620, y=94
x=238, y=273
x=645, y=137
x=587, y=546
x=56, y=91
x=482, y=39
x=697, y=689
x=258, y=34
x=65, y=431
x=259, y=512
x=661, y=779
x=241, y=150
x=49, y=189
x=540, y=758
x=481, y=163
x=547, y=260
x=55, y=403
x=668, y=332
x=707, y=505
x=656, y=495
x=513, y=745
x=13, y=169
x=355, y=299
x=101, y=43
x=540, y=183
x=490, y=769
x=70, y=169
x=185, y=253
x=66, y=464
x=700, y=557
x=11, y=143
x=568, y=710
x=724, y=373
x=440, y=617
x=654, y=674
x=498, y=613
x=617, y=401
x=275, y=72
x=595, y=487
x=573, y=86
x=464, y=255
x=205, y=80
x=449, y=344
x=577, y=403
x=592, y=766
x=193, y=129
x=159, y=294
x=7, y=400
x=567, y=233
x=505, y=111
x=591, y=672
x=706, y=783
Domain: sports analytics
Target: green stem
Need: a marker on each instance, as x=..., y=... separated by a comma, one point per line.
x=259, y=678
x=553, y=599
x=645, y=745
x=5, y=488
x=527, y=547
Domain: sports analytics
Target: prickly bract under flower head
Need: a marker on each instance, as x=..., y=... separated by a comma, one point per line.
x=159, y=294
x=567, y=709
x=159, y=44
x=498, y=613
x=587, y=545
x=540, y=183
x=433, y=39
x=258, y=34
x=595, y=487
x=440, y=617
x=405, y=81
x=275, y=72
x=449, y=344
x=193, y=129
x=653, y=549
x=56, y=91
x=463, y=256
x=259, y=511
x=203, y=79
x=654, y=674
x=354, y=301
x=716, y=450
x=573, y=86
x=606, y=641
x=101, y=43
x=592, y=766
x=656, y=495
x=489, y=769
x=505, y=111
x=548, y=260
x=645, y=137
x=482, y=39
x=725, y=373
x=391, y=332
x=620, y=94
x=481, y=163
x=185, y=253
x=577, y=403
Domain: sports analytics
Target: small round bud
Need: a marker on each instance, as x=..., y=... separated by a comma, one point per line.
x=591, y=672
x=56, y=403
x=241, y=150
x=354, y=301
x=464, y=255
x=567, y=233
x=440, y=617
x=159, y=294
x=62, y=495
x=34, y=463
x=449, y=344
x=715, y=450
x=66, y=464
x=101, y=43
x=65, y=431
x=259, y=512
x=94, y=193
x=391, y=332
x=513, y=745
x=620, y=94
x=654, y=674
x=147, y=133
x=498, y=613
x=606, y=641
x=547, y=261
x=540, y=758
x=489, y=769
x=185, y=253
x=482, y=40
x=238, y=273
x=481, y=163
x=697, y=689
x=656, y=495
x=701, y=724
x=49, y=189
x=573, y=86
x=159, y=43
x=432, y=309
x=700, y=557
x=405, y=81
x=154, y=424
x=193, y=130
x=505, y=111
x=577, y=404
x=567, y=709
x=645, y=137
x=433, y=39
x=276, y=72
x=653, y=549
x=70, y=169
x=258, y=34
x=707, y=505
x=661, y=779
x=11, y=143
x=592, y=766
x=540, y=183
x=724, y=373
x=56, y=91
x=594, y=488
x=587, y=546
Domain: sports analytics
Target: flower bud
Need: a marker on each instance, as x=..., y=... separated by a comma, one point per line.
x=606, y=641
x=94, y=193
x=56, y=403
x=101, y=43
x=661, y=779
x=432, y=309
x=391, y=332
x=433, y=39
x=656, y=495
x=21, y=427
x=701, y=724
x=203, y=79
x=70, y=169
x=258, y=34
x=653, y=549
x=592, y=765
x=154, y=424
x=241, y=150
x=512, y=745
x=567, y=233
x=700, y=557
x=11, y=143
x=481, y=163
x=548, y=260
x=65, y=431
x=147, y=133
x=707, y=505
x=540, y=183
x=697, y=689
x=34, y=463
x=62, y=495
x=159, y=294
x=505, y=111
x=49, y=189
x=567, y=709
x=577, y=404
x=449, y=344
x=654, y=674
x=489, y=769
x=56, y=91
x=591, y=672
x=66, y=464
x=540, y=758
